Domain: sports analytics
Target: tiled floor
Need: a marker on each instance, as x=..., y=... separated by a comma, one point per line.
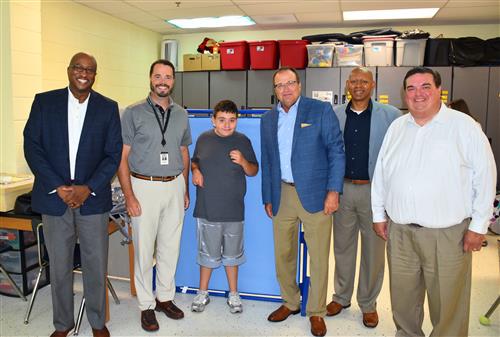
x=218, y=321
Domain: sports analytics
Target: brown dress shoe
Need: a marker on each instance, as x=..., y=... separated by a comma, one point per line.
x=318, y=327
x=148, y=320
x=281, y=314
x=170, y=309
x=61, y=333
x=334, y=308
x=104, y=332
x=370, y=319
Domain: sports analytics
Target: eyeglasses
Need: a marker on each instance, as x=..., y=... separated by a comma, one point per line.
x=281, y=86
x=80, y=70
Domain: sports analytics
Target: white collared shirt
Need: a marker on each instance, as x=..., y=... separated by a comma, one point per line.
x=76, y=118
x=435, y=175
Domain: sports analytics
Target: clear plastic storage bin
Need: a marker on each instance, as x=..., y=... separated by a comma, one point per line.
x=320, y=55
x=410, y=52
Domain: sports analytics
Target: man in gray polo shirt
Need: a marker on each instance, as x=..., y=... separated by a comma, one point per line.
x=156, y=136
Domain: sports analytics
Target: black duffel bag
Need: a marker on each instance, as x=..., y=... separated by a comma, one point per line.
x=466, y=51
x=437, y=52
x=491, y=52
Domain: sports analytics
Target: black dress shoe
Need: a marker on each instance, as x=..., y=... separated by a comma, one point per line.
x=170, y=309
x=148, y=320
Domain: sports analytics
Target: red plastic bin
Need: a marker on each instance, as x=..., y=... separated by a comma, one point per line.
x=234, y=55
x=264, y=54
x=293, y=53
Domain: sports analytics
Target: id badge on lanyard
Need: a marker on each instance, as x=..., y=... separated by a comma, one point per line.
x=163, y=158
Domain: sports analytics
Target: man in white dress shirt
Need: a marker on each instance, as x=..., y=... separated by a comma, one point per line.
x=73, y=146
x=434, y=183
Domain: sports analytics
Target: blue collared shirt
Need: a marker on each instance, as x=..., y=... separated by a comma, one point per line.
x=286, y=124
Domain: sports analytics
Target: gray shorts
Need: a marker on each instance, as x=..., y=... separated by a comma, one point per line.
x=219, y=243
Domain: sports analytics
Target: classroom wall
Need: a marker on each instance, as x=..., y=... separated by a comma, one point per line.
x=188, y=43
x=124, y=51
x=21, y=77
x=38, y=39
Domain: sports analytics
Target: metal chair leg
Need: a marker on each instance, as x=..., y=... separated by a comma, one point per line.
x=12, y=283
x=33, y=295
x=80, y=317
x=112, y=291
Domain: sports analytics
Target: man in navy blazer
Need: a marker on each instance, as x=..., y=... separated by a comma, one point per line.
x=302, y=175
x=73, y=144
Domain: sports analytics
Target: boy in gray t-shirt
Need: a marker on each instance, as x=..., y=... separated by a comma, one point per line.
x=221, y=160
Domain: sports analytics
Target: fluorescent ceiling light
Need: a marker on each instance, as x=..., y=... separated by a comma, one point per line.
x=213, y=22
x=390, y=14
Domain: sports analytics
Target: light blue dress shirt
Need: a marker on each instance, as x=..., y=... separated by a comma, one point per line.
x=286, y=124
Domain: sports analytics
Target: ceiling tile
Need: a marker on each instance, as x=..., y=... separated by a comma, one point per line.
x=472, y=3
x=468, y=15
x=109, y=6
x=290, y=7
x=364, y=5
x=138, y=16
x=185, y=4
x=274, y=19
x=320, y=18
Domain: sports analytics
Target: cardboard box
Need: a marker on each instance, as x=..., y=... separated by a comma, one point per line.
x=11, y=186
x=192, y=62
x=210, y=62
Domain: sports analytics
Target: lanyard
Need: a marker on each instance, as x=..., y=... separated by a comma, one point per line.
x=163, y=128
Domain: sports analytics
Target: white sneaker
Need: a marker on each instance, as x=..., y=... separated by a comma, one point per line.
x=234, y=302
x=200, y=301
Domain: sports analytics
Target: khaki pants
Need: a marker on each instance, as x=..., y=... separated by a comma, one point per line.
x=161, y=221
x=424, y=259
x=354, y=217
x=317, y=232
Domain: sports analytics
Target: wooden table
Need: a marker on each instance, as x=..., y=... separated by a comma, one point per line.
x=8, y=220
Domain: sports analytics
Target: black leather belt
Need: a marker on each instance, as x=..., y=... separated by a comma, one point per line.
x=288, y=183
x=153, y=178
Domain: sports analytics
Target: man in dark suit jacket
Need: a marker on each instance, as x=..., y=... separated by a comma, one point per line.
x=73, y=144
x=302, y=175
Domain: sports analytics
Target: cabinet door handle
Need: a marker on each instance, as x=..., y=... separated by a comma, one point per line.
x=335, y=99
x=343, y=99
x=272, y=99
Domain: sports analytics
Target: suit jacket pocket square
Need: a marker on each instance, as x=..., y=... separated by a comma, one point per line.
x=304, y=125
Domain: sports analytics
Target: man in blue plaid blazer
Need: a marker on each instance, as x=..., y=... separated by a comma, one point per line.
x=303, y=167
